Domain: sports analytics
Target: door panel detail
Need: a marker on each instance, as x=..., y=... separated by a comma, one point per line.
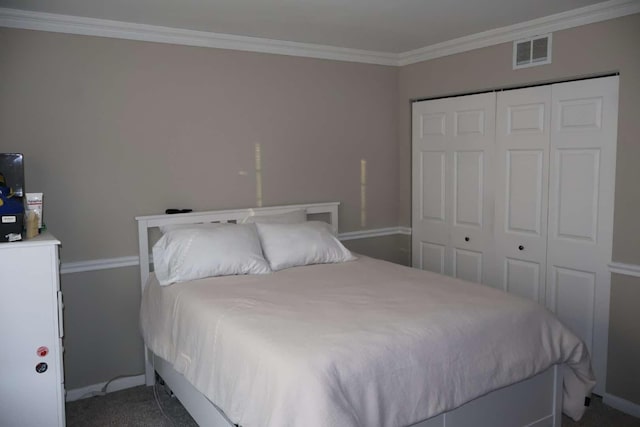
x=577, y=192
x=524, y=191
x=525, y=119
x=468, y=179
x=580, y=114
x=432, y=170
x=574, y=300
x=432, y=124
x=467, y=265
x=522, y=278
x=468, y=122
x=432, y=256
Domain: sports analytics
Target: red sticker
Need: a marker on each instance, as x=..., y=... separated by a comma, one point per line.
x=42, y=351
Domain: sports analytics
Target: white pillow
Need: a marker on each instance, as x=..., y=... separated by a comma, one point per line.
x=189, y=254
x=291, y=217
x=289, y=245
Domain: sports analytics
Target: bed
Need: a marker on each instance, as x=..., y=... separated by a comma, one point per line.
x=359, y=343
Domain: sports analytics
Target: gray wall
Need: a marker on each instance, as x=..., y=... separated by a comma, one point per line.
x=102, y=338
x=395, y=248
x=112, y=129
x=603, y=47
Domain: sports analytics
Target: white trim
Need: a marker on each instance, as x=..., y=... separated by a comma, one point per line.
x=130, y=261
x=626, y=269
x=621, y=404
x=548, y=24
x=98, y=264
x=376, y=232
x=405, y=230
x=30, y=20
x=96, y=389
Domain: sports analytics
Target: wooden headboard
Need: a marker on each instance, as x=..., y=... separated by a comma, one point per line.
x=223, y=216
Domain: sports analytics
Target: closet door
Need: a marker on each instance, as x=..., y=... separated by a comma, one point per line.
x=581, y=196
x=522, y=146
x=453, y=149
x=431, y=215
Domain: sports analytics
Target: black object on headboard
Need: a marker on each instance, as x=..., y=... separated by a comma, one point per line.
x=177, y=211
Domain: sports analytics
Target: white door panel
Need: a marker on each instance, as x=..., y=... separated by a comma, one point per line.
x=524, y=192
x=522, y=140
x=468, y=177
x=467, y=265
x=432, y=169
x=576, y=193
x=472, y=157
x=432, y=257
x=574, y=296
x=523, y=278
x=430, y=213
x=581, y=196
x=453, y=145
x=469, y=123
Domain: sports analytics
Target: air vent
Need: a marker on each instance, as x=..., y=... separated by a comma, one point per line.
x=532, y=52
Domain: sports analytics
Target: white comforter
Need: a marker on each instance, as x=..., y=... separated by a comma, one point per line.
x=363, y=343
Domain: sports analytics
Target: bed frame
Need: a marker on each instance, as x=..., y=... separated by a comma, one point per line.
x=535, y=402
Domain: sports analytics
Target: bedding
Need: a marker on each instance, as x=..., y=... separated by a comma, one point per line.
x=362, y=343
x=184, y=254
x=291, y=245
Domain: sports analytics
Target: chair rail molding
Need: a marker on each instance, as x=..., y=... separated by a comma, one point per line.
x=626, y=269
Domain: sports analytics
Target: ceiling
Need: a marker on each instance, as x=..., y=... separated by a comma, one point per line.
x=391, y=26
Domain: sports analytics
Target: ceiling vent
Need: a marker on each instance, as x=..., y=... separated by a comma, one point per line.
x=531, y=52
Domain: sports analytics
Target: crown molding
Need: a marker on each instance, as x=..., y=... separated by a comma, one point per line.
x=548, y=24
x=30, y=20
x=68, y=24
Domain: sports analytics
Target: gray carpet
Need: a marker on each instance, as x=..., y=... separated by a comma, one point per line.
x=137, y=407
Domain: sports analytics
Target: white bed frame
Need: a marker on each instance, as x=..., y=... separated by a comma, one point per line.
x=535, y=402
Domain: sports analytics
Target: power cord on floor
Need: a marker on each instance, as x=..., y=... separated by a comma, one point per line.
x=155, y=395
x=103, y=389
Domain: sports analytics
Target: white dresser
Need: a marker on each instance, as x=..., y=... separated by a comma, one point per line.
x=31, y=330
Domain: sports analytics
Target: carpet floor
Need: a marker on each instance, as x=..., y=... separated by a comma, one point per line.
x=137, y=407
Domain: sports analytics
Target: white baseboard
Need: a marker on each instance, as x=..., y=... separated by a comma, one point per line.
x=622, y=405
x=95, y=389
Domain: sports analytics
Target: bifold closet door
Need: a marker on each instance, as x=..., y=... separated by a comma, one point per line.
x=581, y=195
x=522, y=162
x=452, y=218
